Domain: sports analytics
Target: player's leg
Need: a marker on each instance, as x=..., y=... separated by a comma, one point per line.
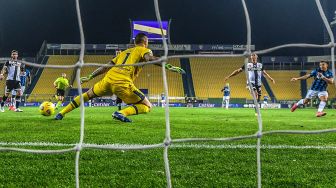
x=8, y=89
x=309, y=96
x=18, y=98
x=59, y=101
x=257, y=91
x=323, y=101
x=12, y=102
x=227, y=102
x=223, y=102
x=138, y=102
x=59, y=97
x=99, y=89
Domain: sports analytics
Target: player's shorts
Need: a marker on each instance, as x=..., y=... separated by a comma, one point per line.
x=255, y=88
x=226, y=97
x=126, y=92
x=12, y=85
x=60, y=92
x=265, y=102
x=23, y=88
x=313, y=93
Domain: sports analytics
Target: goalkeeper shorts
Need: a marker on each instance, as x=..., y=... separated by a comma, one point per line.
x=127, y=92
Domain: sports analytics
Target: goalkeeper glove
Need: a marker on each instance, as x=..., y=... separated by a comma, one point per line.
x=174, y=69
x=86, y=79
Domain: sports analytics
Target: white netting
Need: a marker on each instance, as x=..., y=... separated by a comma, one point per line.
x=167, y=140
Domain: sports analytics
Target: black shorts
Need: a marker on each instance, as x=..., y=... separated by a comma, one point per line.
x=257, y=89
x=12, y=85
x=60, y=92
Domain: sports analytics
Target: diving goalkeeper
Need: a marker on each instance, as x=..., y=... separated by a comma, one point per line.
x=120, y=81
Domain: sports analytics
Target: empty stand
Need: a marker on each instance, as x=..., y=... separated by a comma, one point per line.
x=284, y=89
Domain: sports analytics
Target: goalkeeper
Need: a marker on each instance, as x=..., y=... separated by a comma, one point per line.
x=120, y=81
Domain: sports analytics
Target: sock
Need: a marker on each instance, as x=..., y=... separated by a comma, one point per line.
x=321, y=106
x=74, y=104
x=135, y=110
x=4, y=98
x=13, y=102
x=59, y=103
x=17, y=101
x=300, y=102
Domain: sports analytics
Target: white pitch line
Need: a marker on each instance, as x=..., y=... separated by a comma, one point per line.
x=197, y=146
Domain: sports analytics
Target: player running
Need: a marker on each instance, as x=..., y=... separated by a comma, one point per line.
x=255, y=71
x=226, y=96
x=322, y=77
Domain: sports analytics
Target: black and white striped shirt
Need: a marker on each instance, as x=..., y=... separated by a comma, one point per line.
x=13, y=68
x=255, y=72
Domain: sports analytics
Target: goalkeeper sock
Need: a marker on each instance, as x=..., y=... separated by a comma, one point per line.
x=59, y=103
x=321, y=106
x=135, y=109
x=74, y=104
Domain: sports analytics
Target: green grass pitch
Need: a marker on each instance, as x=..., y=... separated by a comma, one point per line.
x=196, y=164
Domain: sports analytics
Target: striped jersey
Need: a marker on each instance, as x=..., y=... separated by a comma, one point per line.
x=319, y=84
x=255, y=71
x=13, y=69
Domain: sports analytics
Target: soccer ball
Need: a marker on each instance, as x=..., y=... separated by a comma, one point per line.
x=47, y=108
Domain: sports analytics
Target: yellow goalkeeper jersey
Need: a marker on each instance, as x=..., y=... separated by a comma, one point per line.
x=127, y=74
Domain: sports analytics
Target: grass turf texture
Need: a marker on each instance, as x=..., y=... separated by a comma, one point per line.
x=190, y=167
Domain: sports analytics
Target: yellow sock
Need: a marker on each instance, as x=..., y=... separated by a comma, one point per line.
x=135, y=109
x=74, y=104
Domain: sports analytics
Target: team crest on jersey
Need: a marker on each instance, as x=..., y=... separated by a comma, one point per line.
x=14, y=63
x=251, y=67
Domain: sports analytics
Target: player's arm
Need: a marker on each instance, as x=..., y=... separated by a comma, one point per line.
x=301, y=78
x=329, y=80
x=56, y=82
x=4, y=71
x=269, y=77
x=149, y=57
x=234, y=73
x=97, y=72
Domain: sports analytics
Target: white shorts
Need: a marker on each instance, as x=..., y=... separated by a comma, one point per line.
x=22, y=90
x=312, y=93
x=265, y=102
x=226, y=97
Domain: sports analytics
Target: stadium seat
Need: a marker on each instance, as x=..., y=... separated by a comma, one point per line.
x=209, y=73
x=284, y=89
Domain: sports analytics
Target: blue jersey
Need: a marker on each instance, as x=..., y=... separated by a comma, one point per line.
x=265, y=98
x=23, y=77
x=319, y=84
x=226, y=91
